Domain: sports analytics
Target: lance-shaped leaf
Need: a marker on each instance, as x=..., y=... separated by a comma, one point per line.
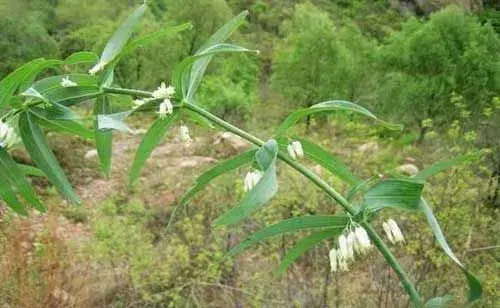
x=262, y=192
x=307, y=244
x=31, y=76
x=443, y=165
x=10, y=198
x=151, y=140
x=81, y=57
x=333, y=222
x=12, y=173
x=51, y=119
x=328, y=161
x=153, y=37
x=37, y=146
x=199, y=68
x=475, y=289
x=11, y=82
x=439, y=302
x=103, y=137
x=119, y=39
x=181, y=76
x=222, y=168
x=51, y=90
x=329, y=107
x=397, y=193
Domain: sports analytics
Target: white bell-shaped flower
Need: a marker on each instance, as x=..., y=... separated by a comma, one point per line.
x=8, y=136
x=396, y=231
x=297, y=147
x=362, y=239
x=351, y=240
x=67, y=83
x=388, y=232
x=291, y=152
x=251, y=179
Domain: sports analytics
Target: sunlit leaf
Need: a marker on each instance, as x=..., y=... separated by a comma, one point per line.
x=119, y=39
x=115, y=121
x=329, y=107
x=11, y=82
x=397, y=193
x=475, y=289
x=292, y=225
x=81, y=57
x=44, y=118
x=151, y=140
x=37, y=146
x=261, y=193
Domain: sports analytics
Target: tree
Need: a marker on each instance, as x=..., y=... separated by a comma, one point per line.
x=318, y=61
x=427, y=63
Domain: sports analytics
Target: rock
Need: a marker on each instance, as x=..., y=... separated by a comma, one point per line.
x=91, y=154
x=228, y=142
x=408, y=169
x=368, y=147
x=410, y=160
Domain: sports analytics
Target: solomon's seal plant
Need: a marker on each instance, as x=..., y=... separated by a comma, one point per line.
x=30, y=106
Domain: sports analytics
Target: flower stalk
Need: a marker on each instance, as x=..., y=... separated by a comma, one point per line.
x=376, y=239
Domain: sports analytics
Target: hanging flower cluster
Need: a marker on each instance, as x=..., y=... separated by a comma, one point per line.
x=162, y=92
x=295, y=150
x=8, y=136
x=67, y=83
x=251, y=179
x=393, y=232
x=354, y=240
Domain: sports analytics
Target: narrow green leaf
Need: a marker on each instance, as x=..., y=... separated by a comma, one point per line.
x=153, y=37
x=475, y=289
x=261, y=193
x=51, y=90
x=222, y=168
x=151, y=140
x=327, y=161
x=37, y=146
x=305, y=245
x=198, y=69
x=10, y=198
x=65, y=126
x=292, y=225
x=182, y=71
x=31, y=76
x=359, y=187
x=398, y=193
x=13, y=173
x=328, y=107
x=443, y=165
x=439, y=302
x=81, y=57
x=31, y=171
x=103, y=137
x=115, y=121
x=119, y=39
x=11, y=82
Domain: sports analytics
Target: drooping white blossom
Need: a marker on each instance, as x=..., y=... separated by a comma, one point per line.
x=295, y=150
x=351, y=240
x=165, y=108
x=388, y=232
x=333, y=260
x=343, y=264
x=97, y=68
x=396, y=231
x=184, y=134
x=251, y=179
x=67, y=83
x=362, y=239
x=164, y=92
x=297, y=147
x=343, y=253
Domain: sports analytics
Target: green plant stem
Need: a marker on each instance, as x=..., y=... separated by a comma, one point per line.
x=377, y=240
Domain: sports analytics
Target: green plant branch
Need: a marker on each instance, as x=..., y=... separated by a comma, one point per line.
x=377, y=240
